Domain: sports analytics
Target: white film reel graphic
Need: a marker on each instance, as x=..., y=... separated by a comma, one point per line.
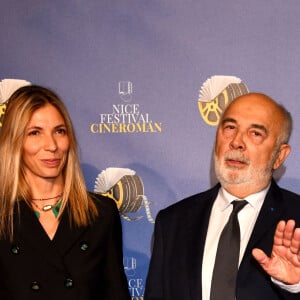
x=128, y=193
x=7, y=88
x=215, y=95
x=147, y=209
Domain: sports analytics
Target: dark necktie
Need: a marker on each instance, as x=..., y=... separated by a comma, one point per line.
x=227, y=257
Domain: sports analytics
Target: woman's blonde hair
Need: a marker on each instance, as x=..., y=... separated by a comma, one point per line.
x=14, y=187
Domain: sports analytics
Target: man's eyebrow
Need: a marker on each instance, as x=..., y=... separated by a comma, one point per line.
x=254, y=125
x=227, y=120
x=259, y=126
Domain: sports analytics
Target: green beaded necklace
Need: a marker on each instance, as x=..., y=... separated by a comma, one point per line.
x=55, y=209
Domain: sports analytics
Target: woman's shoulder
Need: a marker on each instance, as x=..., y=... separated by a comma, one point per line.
x=103, y=202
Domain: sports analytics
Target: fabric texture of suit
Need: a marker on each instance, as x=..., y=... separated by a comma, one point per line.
x=79, y=263
x=179, y=238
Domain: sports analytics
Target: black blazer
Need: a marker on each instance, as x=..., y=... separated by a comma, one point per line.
x=78, y=264
x=180, y=231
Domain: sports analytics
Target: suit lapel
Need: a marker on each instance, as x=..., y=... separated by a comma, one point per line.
x=198, y=224
x=267, y=219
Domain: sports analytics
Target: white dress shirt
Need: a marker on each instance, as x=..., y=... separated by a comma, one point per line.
x=220, y=213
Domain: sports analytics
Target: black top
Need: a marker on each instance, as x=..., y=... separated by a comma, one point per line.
x=83, y=263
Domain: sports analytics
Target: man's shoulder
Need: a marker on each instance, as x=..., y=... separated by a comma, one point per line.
x=191, y=202
x=290, y=193
x=285, y=193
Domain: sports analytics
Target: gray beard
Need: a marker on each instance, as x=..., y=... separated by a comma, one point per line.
x=232, y=175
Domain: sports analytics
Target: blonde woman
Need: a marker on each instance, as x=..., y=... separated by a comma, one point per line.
x=56, y=239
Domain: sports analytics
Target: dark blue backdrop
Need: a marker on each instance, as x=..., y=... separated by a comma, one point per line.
x=155, y=55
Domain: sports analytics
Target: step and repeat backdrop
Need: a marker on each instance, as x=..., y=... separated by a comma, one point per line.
x=145, y=83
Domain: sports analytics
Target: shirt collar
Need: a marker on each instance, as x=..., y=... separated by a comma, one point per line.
x=254, y=199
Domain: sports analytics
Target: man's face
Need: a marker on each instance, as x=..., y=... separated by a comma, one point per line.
x=246, y=149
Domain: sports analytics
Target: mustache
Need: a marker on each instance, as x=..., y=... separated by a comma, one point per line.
x=236, y=155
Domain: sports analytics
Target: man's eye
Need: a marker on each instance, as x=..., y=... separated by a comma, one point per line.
x=229, y=127
x=256, y=133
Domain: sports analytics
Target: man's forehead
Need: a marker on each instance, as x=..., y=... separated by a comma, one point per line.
x=252, y=111
x=258, y=125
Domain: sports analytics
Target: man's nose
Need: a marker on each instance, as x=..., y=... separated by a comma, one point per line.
x=237, y=142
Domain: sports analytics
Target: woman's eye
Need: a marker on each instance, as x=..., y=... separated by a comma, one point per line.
x=34, y=132
x=61, y=131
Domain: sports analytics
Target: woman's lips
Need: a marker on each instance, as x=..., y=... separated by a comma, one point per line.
x=51, y=162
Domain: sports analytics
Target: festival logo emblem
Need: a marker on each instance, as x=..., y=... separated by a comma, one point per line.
x=125, y=90
x=125, y=117
x=126, y=188
x=7, y=88
x=216, y=93
x=136, y=285
x=129, y=265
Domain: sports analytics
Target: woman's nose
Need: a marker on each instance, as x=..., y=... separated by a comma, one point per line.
x=50, y=143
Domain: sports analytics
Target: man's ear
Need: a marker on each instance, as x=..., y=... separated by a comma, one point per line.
x=282, y=154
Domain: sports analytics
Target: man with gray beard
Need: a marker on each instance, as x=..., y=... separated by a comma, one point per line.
x=251, y=142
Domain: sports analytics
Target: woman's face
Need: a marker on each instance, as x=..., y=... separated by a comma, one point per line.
x=46, y=145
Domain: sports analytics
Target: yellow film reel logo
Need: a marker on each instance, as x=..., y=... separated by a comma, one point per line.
x=7, y=88
x=128, y=193
x=2, y=112
x=211, y=111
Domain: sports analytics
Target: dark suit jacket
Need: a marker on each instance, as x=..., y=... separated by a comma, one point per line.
x=79, y=263
x=180, y=231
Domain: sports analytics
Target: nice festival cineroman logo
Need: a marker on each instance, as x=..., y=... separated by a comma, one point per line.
x=125, y=117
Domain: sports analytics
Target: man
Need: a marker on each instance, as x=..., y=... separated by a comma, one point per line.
x=251, y=142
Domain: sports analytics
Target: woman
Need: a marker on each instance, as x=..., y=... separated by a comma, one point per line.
x=57, y=241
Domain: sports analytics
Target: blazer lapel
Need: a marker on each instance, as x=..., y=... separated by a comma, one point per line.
x=198, y=224
x=268, y=217
x=63, y=231
x=30, y=231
